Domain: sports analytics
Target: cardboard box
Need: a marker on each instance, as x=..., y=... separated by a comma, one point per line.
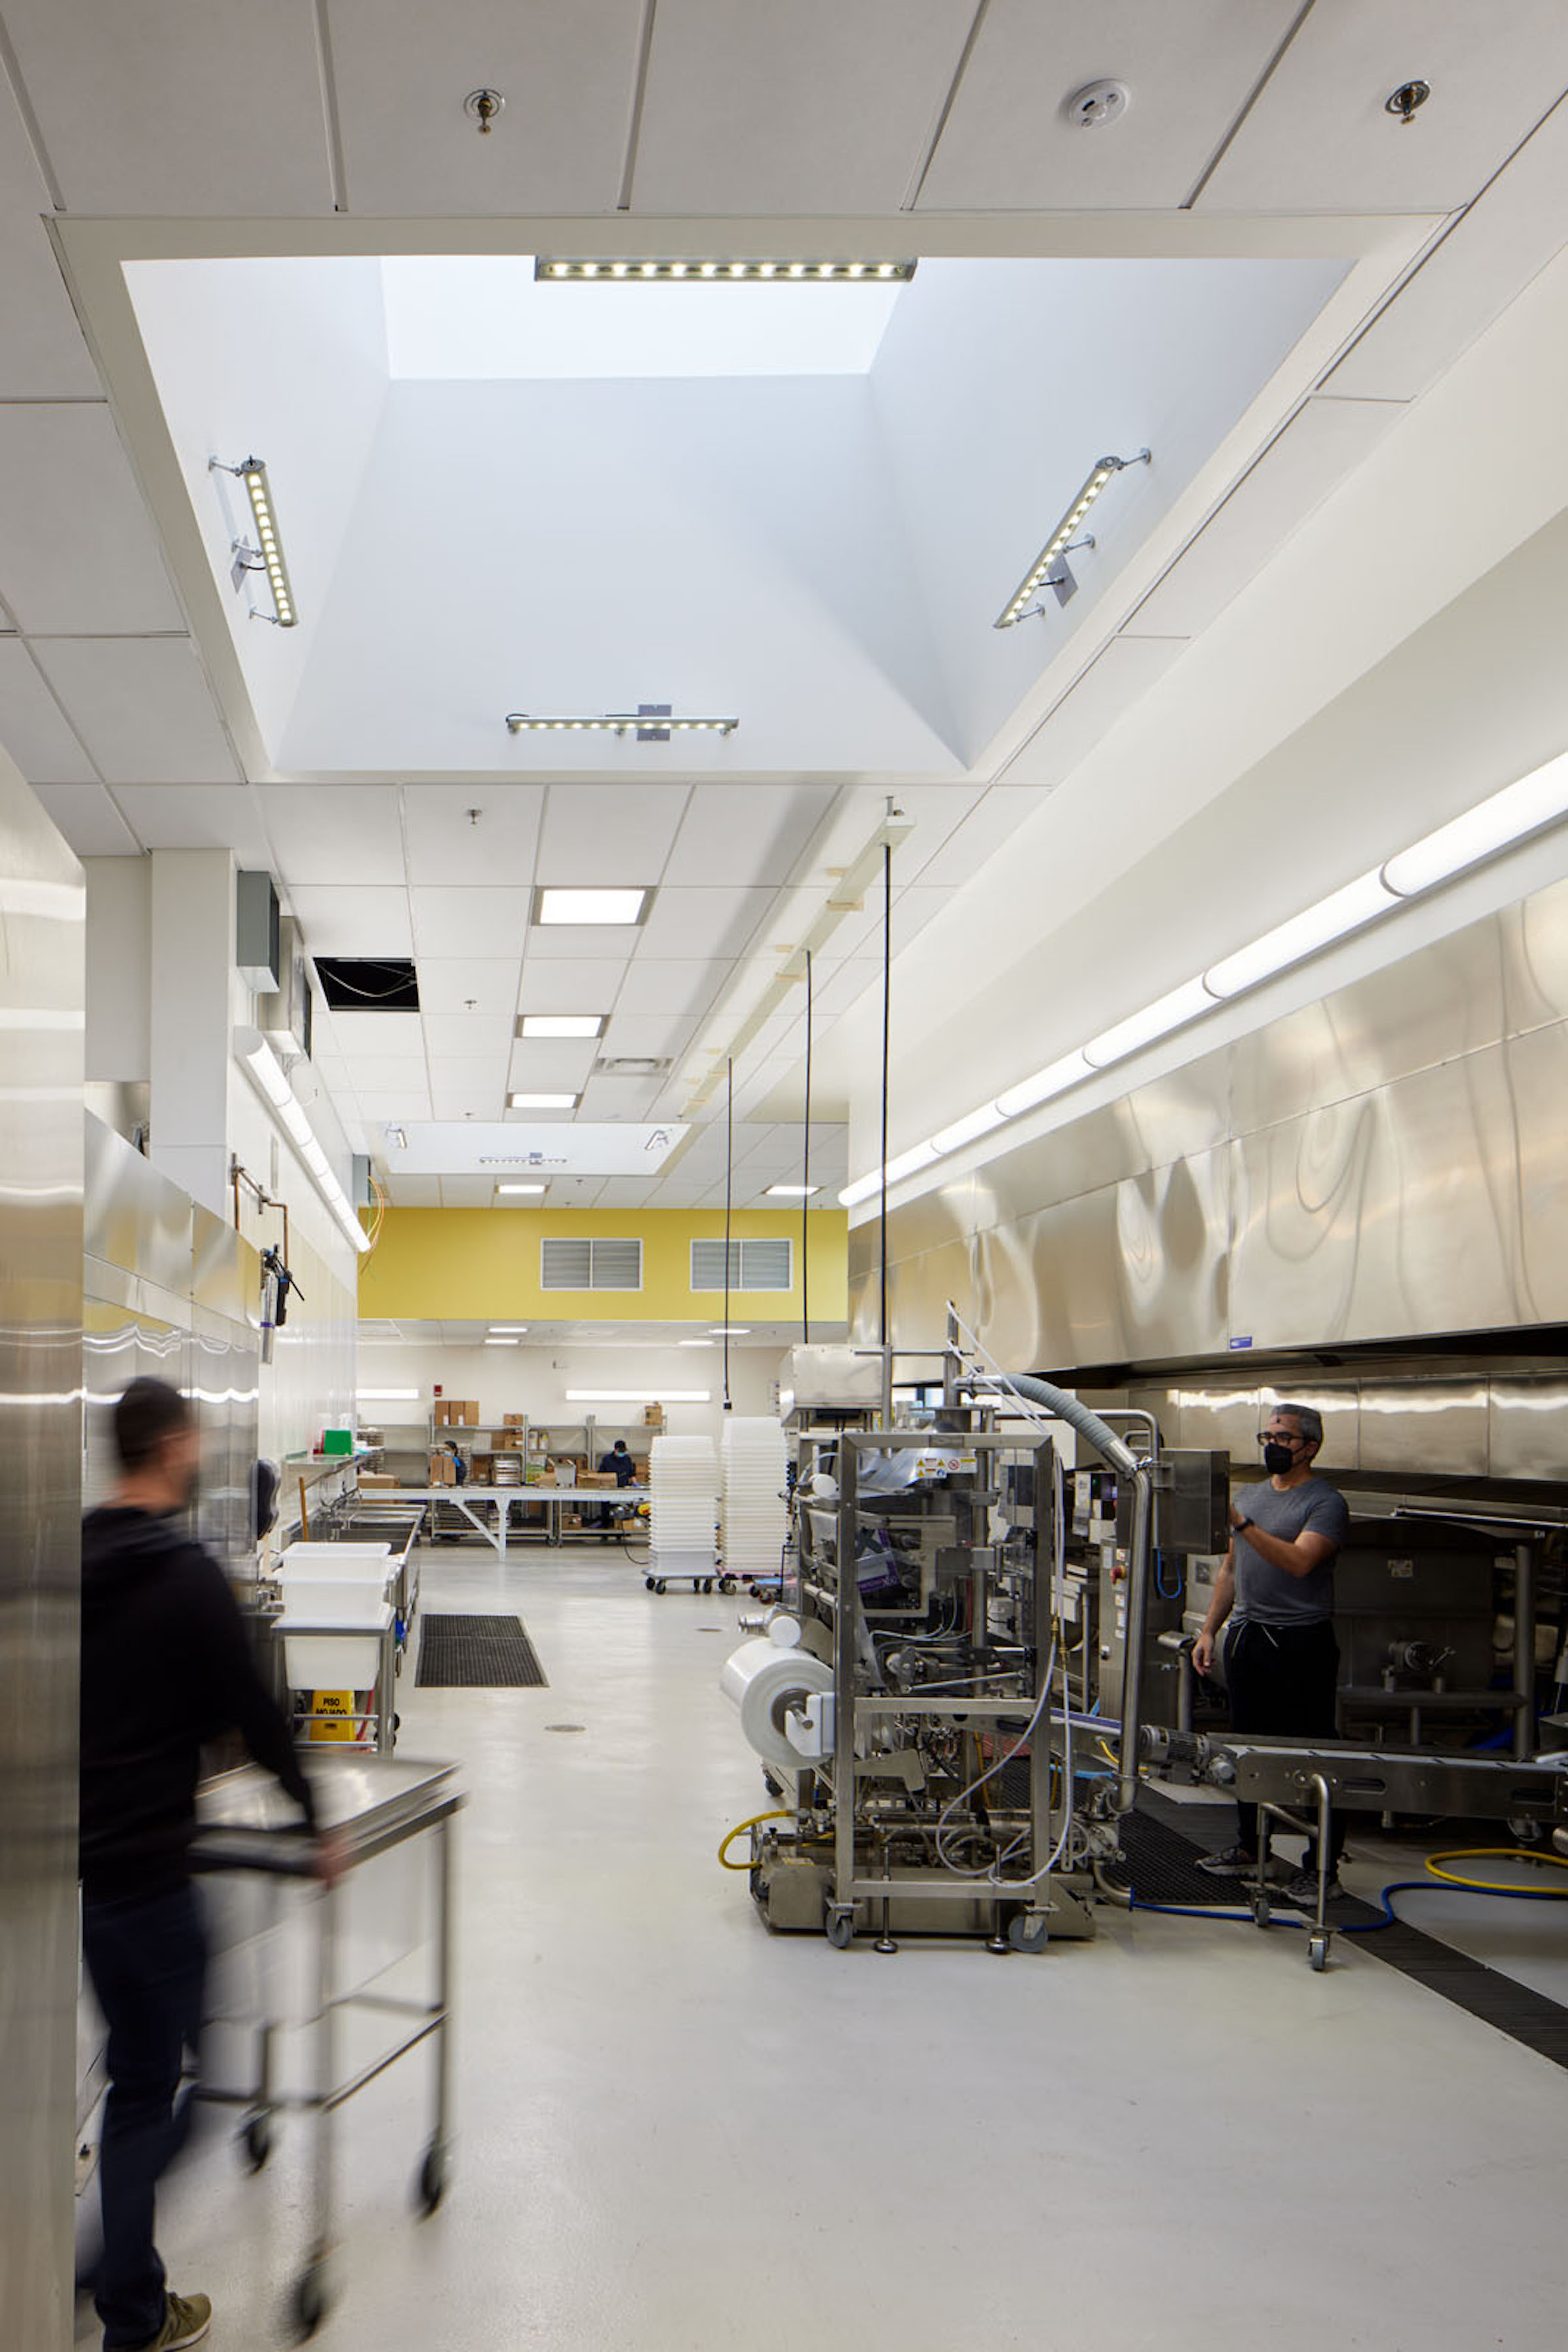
x=514, y=1421
x=443, y=1470
x=440, y=1412
x=599, y=1478
x=654, y=1416
x=371, y=1479
x=465, y=1415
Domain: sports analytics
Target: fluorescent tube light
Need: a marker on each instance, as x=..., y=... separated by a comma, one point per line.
x=1054, y=1079
x=507, y=1330
x=1493, y=824
x=541, y=1102
x=861, y=1190
x=553, y=906
x=1037, y=577
x=560, y=1025
x=696, y=1343
x=386, y=1396
x=267, y=1076
x=1157, y=1020
x=967, y=1131
x=790, y=1193
x=514, y=1190
x=618, y=723
x=268, y=549
x=503, y=1343
x=730, y=1330
x=637, y=1396
x=562, y=269
x=1316, y=926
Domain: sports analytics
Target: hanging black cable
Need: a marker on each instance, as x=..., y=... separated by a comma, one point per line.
x=886, y=1006
x=728, y=1206
x=806, y=1177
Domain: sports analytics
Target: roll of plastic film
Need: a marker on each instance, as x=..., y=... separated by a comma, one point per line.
x=763, y=1681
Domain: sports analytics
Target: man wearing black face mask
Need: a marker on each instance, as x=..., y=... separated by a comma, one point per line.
x=1281, y=1662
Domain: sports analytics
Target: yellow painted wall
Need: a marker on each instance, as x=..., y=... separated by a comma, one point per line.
x=483, y=1264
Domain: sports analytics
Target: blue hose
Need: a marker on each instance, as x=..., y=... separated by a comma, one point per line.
x=1436, y=1887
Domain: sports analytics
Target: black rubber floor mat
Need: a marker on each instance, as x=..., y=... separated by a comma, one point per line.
x=477, y=1654
x=1161, y=1866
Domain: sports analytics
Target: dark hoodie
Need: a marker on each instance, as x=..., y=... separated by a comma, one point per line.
x=165, y=1668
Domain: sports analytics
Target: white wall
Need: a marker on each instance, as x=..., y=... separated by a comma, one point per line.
x=119, y=919
x=534, y=1381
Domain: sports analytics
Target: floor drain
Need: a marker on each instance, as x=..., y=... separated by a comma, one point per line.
x=566, y=1727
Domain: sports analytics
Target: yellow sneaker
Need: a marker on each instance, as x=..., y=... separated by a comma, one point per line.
x=185, y=2321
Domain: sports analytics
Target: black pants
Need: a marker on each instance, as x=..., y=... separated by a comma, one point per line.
x=148, y=1963
x=1284, y=1679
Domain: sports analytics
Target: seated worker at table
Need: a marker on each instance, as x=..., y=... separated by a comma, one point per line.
x=1281, y=1661
x=618, y=1460
x=166, y=1668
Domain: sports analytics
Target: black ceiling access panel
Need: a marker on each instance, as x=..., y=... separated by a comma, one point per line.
x=368, y=983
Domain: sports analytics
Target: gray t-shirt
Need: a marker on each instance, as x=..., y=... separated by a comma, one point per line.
x=1271, y=1596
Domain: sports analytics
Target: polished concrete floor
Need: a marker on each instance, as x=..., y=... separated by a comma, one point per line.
x=679, y=2134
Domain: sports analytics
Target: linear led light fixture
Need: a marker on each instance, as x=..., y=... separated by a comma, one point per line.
x=507, y=1330
x=637, y=1396
x=556, y=904
x=1501, y=821
x=787, y=1192
x=502, y=1343
x=1049, y=561
x=619, y=723
x=386, y=1396
x=267, y=1074
x=517, y=1189
x=267, y=553
x=564, y=269
x=560, y=1025
x=541, y=1102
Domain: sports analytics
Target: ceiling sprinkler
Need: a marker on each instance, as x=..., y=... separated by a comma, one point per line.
x=1405, y=102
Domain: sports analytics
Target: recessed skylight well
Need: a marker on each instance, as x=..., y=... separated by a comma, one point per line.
x=554, y=906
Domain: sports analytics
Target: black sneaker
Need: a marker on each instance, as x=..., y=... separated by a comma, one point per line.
x=1301, y=1889
x=1231, y=1862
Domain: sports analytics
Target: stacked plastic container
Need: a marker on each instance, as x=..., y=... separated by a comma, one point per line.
x=683, y=1509
x=752, y=1518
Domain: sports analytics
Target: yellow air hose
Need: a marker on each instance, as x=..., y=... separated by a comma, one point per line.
x=739, y=1831
x=1435, y=1863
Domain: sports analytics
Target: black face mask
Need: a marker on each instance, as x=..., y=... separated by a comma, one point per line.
x=1278, y=1460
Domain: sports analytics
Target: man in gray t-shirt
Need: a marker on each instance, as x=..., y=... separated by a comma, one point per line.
x=1276, y=1588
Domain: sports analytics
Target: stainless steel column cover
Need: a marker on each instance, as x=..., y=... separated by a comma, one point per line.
x=42, y=907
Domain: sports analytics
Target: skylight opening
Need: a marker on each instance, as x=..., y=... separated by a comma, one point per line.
x=486, y=316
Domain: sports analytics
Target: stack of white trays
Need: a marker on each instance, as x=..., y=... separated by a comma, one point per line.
x=683, y=1509
x=752, y=1518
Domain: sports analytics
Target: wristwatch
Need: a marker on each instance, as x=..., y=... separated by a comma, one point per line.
x=1242, y=1522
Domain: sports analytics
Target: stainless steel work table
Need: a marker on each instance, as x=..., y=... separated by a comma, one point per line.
x=250, y=1828
x=554, y=1499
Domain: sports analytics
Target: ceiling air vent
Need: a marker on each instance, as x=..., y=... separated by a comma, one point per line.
x=368, y=983
x=631, y=1066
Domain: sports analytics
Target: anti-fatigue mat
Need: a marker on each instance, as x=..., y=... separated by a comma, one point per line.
x=477, y=1654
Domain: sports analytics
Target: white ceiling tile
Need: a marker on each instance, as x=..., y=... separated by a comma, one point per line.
x=677, y=1192
x=746, y=833
x=468, y=1089
x=446, y=845
x=448, y=985
x=77, y=550
x=1320, y=140
x=386, y=1074
x=330, y=833
x=358, y=1034
x=412, y=1192
x=1008, y=143
x=469, y=1036
x=628, y=1192
x=578, y=942
x=672, y=985
x=987, y=831
x=141, y=707
x=648, y=1033
x=551, y=1064
x=352, y=922
x=32, y=726
x=815, y=109
x=702, y=922
x=90, y=820
x=42, y=354
x=608, y=833
x=1323, y=442
x=451, y=921
x=1103, y=695
x=173, y=108
x=571, y=983
x=197, y=816
x=467, y=1192
x=567, y=69
x=913, y=908
x=619, y=1098
x=402, y=1102
x=331, y=1069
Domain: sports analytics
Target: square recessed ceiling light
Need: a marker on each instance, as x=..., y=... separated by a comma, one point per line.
x=560, y=1025
x=590, y=905
x=513, y=1189
x=791, y=1191
x=542, y=1102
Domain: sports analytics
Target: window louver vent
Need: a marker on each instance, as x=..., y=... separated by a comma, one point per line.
x=765, y=1262
x=606, y=1263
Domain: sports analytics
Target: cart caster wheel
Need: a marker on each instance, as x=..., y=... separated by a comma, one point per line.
x=433, y=2179
x=649, y=1585
x=1317, y=1952
x=1261, y=1913
x=1027, y=1935
x=841, y=1930
x=255, y=2139
x=309, y=2303
x=727, y=1584
x=661, y=1586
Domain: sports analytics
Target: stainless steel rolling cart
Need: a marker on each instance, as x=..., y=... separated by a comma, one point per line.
x=248, y=1832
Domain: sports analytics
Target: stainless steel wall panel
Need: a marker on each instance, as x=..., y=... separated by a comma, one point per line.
x=1536, y=1210
x=1534, y=947
x=42, y=913
x=1169, y=1119
x=1436, y=1428
x=226, y=1272
x=1527, y=1424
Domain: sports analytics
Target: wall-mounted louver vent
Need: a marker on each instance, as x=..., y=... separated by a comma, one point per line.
x=763, y=1262
x=607, y=1262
